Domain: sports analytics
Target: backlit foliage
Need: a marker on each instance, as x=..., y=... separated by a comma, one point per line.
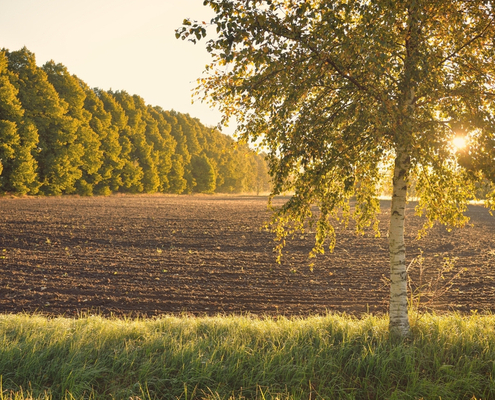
x=58, y=136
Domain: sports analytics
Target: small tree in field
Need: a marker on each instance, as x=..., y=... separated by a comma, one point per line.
x=335, y=90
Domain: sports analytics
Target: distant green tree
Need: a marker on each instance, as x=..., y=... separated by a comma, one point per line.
x=190, y=131
x=233, y=171
x=18, y=139
x=59, y=154
x=159, y=141
x=181, y=148
x=131, y=172
x=258, y=175
x=163, y=143
x=177, y=182
x=71, y=91
x=108, y=133
x=213, y=143
x=478, y=158
x=141, y=150
x=204, y=174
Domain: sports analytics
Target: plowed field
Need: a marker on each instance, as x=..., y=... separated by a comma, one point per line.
x=150, y=255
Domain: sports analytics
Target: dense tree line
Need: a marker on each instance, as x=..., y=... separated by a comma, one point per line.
x=59, y=136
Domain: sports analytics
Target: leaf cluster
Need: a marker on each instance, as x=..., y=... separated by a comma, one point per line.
x=334, y=90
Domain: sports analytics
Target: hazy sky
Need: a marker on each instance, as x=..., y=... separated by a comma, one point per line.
x=116, y=44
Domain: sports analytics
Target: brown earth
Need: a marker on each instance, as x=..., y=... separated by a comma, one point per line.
x=150, y=255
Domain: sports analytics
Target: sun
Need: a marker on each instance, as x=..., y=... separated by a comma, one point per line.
x=459, y=142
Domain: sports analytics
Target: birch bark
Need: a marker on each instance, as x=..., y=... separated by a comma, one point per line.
x=399, y=320
x=398, y=313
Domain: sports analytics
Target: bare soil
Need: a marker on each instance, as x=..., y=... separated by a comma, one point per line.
x=157, y=254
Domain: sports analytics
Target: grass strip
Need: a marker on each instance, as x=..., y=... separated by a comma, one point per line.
x=244, y=357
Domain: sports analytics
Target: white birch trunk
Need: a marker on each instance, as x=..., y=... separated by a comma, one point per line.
x=399, y=320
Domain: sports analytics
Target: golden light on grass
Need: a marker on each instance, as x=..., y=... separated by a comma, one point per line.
x=459, y=142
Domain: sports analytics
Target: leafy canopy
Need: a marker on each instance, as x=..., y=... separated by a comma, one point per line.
x=335, y=90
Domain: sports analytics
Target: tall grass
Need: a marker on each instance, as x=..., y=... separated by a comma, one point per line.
x=232, y=357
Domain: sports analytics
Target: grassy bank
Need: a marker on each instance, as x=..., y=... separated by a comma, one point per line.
x=330, y=357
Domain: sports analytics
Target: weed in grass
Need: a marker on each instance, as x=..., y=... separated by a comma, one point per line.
x=431, y=283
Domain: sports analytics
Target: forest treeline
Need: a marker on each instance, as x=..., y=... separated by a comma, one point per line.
x=59, y=136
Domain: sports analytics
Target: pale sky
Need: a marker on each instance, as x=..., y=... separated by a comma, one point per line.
x=116, y=44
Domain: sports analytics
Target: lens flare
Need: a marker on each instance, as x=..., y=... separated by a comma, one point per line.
x=459, y=142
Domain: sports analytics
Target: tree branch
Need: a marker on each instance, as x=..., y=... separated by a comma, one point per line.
x=456, y=51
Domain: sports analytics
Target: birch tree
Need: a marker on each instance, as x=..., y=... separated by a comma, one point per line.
x=335, y=90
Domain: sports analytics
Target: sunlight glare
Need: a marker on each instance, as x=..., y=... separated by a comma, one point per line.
x=459, y=142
